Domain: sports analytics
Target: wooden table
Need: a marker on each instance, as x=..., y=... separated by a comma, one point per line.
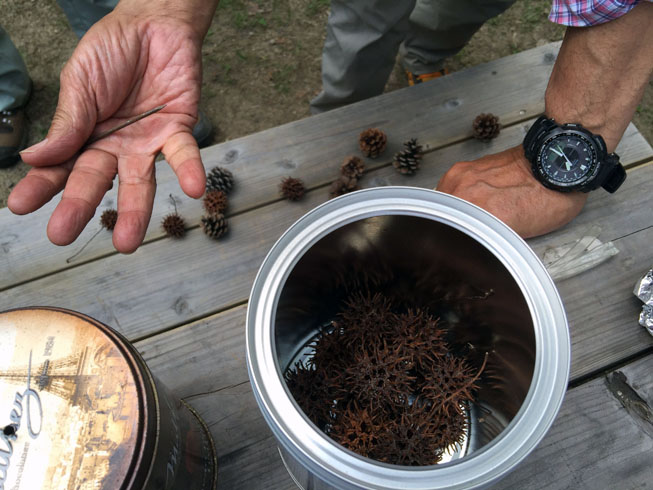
x=183, y=301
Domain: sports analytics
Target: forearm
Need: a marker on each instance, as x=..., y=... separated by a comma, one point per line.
x=195, y=13
x=601, y=73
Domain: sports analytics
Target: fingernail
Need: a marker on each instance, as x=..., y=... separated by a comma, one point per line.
x=35, y=147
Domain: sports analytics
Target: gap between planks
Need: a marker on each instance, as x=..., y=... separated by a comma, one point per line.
x=436, y=113
x=642, y=157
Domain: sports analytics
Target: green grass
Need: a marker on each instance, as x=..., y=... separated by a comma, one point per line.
x=281, y=77
x=315, y=7
x=240, y=17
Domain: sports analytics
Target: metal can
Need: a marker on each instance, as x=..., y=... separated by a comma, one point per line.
x=80, y=409
x=419, y=237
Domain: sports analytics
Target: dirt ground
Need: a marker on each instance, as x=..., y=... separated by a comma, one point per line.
x=261, y=61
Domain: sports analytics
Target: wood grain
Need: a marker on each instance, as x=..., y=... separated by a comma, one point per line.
x=594, y=442
x=438, y=113
x=167, y=283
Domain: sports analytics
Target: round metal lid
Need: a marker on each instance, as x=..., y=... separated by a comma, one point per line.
x=71, y=403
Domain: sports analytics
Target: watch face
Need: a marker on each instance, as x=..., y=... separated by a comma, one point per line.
x=567, y=159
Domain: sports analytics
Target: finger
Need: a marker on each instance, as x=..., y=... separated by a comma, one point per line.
x=137, y=186
x=91, y=177
x=72, y=123
x=183, y=155
x=38, y=187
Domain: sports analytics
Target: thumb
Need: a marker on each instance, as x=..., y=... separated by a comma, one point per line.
x=72, y=124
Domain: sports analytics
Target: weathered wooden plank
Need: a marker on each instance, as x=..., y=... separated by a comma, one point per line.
x=201, y=357
x=168, y=282
x=256, y=468
x=204, y=361
x=595, y=443
x=438, y=113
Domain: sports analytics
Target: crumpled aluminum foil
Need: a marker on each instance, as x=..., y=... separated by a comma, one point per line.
x=644, y=291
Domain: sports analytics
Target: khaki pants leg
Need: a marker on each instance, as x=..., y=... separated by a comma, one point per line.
x=15, y=83
x=360, y=49
x=441, y=28
x=82, y=14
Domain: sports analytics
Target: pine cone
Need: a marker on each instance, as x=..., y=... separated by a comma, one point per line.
x=292, y=189
x=219, y=179
x=174, y=225
x=372, y=142
x=343, y=185
x=407, y=161
x=215, y=202
x=486, y=127
x=352, y=167
x=214, y=225
x=108, y=219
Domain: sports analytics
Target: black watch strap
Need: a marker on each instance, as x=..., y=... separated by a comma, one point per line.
x=540, y=127
x=616, y=174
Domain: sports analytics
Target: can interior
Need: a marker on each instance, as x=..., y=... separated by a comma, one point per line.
x=427, y=259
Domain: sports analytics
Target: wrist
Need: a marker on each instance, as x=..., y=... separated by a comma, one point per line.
x=196, y=15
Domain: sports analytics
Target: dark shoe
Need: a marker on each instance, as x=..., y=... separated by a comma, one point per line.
x=203, y=130
x=13, y=136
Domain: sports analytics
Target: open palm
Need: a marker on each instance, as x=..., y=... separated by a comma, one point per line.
x=122, y=67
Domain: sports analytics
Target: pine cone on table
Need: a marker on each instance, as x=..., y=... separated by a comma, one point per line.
x=406, y=161
x=109, y=218
x=219, y=179
x=174, y=225
x=292, y=189
x=343, y=185
x=215, y=202
x=486, y=127
x=214, y=225
x=372, y=142
x=352, y=167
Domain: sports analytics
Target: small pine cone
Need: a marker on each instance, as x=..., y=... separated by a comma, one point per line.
x=214, y=225
x=343, y=185
x=219, y=179
x=407, y=161
x=292, y=189
x=486, y=127
x=372, y=142
x=174, y=225
x=352, y=167
x=108, y=219
x=215, y=202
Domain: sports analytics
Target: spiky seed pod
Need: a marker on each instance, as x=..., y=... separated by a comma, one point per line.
x=215, y=202
x=174, y=225
x=372, y=142
x=343, y=185
x=486, y=127
x=108, y=219
x=292, y=189
x=357, y=429
x=406, y=162
x=352, y=167
x=214, y=225
x=219, y=179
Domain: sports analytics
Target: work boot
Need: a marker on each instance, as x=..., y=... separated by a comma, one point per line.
x=425, y=77
x=13, y=136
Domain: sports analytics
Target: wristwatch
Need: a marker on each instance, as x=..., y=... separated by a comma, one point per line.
x=570, y=158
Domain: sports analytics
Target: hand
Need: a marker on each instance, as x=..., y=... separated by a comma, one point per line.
x=503, y=184
x=124, y=65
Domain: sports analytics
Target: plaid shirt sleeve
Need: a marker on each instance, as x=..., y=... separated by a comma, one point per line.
x=584, y=13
